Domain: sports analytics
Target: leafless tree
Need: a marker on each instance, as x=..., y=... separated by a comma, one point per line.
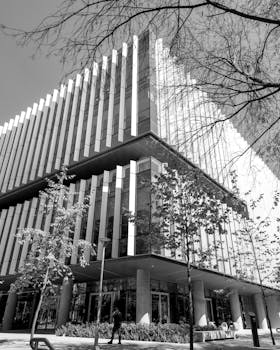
x=230, y=47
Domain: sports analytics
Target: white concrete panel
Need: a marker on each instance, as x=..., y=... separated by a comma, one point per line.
x=12, y=238
x=47, y=135
x=91, y=109
x=91, y=210
x=98, y=133
x=30, y=224
x=78, y=225
x=39, y=218
x=15, y=149
x=40, y=138
x=132, y=208
x=3, y=216
x=103, y=213
x=117, y=212
x=25, y=140
x=3, y=136
x=62, y=134
x=81, y=116
x=16, y=249
x=69, y=205
x=57, y=119
x=33, y=141
x=3, y=155
x=122, y=94
x=6, y=231
x=111, y=99
x=9, y=157
x=134, y=92
x=74, y=112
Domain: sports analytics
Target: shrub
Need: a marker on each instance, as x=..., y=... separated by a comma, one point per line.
x=168, y=332
x=209, y=327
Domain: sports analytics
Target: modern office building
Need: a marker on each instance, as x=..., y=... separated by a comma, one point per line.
x=113, y=126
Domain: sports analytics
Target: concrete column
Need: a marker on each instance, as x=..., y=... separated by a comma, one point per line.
x=199, y=303
x=260, y=311
x=143, y=297
x=273, y=303
x=9, y=313
x=65, y=302
x=235, y=308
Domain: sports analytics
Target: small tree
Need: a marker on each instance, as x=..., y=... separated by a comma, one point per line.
x=262, y=256
x=185, y=208
x=45, y=266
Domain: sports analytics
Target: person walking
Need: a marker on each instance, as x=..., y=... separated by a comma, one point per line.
x=117, y=320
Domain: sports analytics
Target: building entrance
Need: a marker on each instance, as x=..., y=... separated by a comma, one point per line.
x=108, y=299
x=209, y=310
x=160, y=307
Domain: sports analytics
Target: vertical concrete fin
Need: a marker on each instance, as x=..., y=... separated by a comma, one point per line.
x=132, y=207
x=91, y=110
x=122, y=94
x=134, y=92
x=103, y=213
x=57, y=119
x=78, y=223
x=111, y=99
x=117, y=212
x=48, y=130
x=71, y=128
x=100, y=106
x=62, y=135
x=91, y=210
x=81, y=116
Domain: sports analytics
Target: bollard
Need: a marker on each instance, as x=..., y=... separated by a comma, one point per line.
x=254, y=329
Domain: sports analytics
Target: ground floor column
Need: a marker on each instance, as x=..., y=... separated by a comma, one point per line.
x=199, y=303
x=143, y=297
x=65, y=302
x=273, y=303
x=10, y=310
x=235, y=308
x=260, y=311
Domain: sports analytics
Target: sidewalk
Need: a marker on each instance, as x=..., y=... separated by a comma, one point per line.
x=20, y=341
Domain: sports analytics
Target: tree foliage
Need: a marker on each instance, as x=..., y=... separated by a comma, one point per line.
x=186, y=213
x=47, y=261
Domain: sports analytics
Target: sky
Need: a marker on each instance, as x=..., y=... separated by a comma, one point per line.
x=24, y=80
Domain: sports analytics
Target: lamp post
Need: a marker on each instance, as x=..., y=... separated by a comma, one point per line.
x=104, y=241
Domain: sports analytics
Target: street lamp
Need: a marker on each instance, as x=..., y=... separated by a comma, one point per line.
x=104, y=241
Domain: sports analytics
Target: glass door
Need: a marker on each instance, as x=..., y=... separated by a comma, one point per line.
x=108, y=300
x=209, y=310
x=160, y=307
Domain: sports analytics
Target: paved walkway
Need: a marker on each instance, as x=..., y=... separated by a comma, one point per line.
x=18, y=341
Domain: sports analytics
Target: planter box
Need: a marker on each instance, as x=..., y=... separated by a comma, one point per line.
x=202, y=336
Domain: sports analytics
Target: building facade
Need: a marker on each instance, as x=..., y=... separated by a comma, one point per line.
x=112, y=127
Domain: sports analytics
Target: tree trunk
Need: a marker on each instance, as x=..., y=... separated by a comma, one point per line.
x=35, y=318
x=190, y=305
x=39, y=305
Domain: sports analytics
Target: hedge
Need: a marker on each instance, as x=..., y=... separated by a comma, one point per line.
x=168, y=332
